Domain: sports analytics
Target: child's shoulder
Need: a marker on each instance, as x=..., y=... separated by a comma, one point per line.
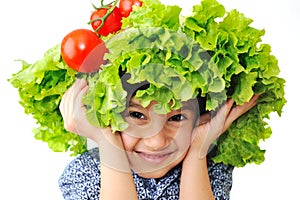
x=88, y=161
x=81, y=173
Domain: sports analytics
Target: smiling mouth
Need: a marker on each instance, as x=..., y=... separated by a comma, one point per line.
x=154, y=158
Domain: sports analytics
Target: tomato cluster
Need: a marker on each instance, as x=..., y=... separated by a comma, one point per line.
x=126, y=6
x=83, y=49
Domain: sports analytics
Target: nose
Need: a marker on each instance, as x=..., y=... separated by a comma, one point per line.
x=158, y=141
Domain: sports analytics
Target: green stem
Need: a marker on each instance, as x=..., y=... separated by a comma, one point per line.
x=111, y=7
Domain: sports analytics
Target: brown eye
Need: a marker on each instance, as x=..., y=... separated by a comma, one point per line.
x=178, y=117
x=137, y=115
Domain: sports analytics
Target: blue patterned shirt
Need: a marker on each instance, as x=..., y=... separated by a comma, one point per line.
x=81, y=180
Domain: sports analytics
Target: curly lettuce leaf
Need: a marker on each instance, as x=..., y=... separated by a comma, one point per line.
x=213, y=51
x=248, y=68
x=153, y=14
x=41, y=86
x=165, y=59
x=228, y=62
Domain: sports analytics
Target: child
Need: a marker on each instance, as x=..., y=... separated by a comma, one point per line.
x=145, y=153
x=159, y=156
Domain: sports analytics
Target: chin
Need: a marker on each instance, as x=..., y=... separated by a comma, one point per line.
x=158, y=172
x=155, y=174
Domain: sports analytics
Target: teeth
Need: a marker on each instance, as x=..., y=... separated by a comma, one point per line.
x=154, y=156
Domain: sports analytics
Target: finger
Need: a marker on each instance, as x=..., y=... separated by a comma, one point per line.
x=239, y=110
x=224, y=111
x=70, y=102
x=79, y=109
x=64, y=99
x=78, y=86
x=67, y=105
x=63, y=103
x=203, y=119
x=73, y=96
x=79, y=106
x=69, y=92
x=220, y=119
x=228, y=106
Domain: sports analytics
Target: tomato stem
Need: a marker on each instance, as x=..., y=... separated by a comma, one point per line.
x=111, y=6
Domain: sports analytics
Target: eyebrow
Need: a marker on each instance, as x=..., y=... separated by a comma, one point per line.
x=132, y=104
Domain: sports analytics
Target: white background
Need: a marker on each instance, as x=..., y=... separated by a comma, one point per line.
x=30, y=170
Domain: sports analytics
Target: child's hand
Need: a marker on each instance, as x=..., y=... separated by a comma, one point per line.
x=209, y=129
x=73, y=111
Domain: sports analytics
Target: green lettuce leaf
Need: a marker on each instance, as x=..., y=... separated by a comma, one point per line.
x=247, y=67
x=41, y=86
x=159, y=56
x=153, y=14
x=212, y=52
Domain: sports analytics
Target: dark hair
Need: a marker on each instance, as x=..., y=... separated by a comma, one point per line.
x=132, y=88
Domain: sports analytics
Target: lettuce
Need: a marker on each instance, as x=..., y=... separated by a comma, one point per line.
x=159, y=56
x=41, y=86
x=213, y=52
x=247, y=68
x=153, y=14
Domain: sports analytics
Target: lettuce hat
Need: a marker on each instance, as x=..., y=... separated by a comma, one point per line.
x=212, y=52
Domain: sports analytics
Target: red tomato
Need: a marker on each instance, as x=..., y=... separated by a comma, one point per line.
x=111, y=24
x=126, y=6
x=83, y=50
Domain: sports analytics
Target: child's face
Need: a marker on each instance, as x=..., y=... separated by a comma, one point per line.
x=156, y=143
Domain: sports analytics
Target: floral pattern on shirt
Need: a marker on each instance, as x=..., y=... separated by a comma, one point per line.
x=81, y=180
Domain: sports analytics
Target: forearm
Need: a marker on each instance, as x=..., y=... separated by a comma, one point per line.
x=116, y=177
x=195, y=183
x=116, y=184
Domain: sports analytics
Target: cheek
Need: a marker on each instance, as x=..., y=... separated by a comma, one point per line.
x=129, y=142
x=183, y=139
